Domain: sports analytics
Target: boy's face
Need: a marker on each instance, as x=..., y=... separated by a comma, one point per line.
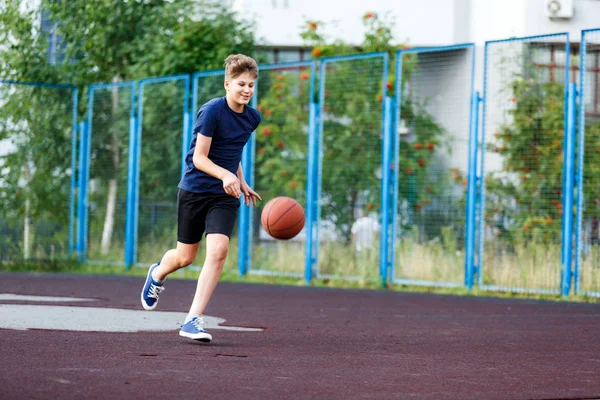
x=241, y=88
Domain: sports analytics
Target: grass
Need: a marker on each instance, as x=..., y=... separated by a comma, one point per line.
x=590, y=269
x=417, y=261
x=429, y=261
x=522, y=265
x=525, y=265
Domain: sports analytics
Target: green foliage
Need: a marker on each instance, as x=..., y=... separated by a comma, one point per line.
x=282, y=138
x=352, y=139
x=35, y=132
x=133, y=40
x=591, y=189
x=23, y=56
x=418, y=185
x=100, y=42
x=525, y=197
x=191, y=36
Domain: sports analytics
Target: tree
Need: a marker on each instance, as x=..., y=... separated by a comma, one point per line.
x=352, y=119
x=352, y=146
x=35, y=129
x=524, y=200
x=282, y=138
x=111, y=41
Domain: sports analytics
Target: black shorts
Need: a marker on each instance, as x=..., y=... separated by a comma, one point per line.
x=198, y=213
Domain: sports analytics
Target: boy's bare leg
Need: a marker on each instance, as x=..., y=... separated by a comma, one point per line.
x=173, y=260
x=177, y=258
x=217, y=246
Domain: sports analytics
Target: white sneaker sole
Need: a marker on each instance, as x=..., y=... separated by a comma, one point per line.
x=203, y=337
x=147, y=307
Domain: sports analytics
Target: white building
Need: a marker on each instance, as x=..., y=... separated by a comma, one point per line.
x=418, y=23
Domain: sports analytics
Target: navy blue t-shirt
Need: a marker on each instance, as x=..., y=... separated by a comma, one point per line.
x=230, y=132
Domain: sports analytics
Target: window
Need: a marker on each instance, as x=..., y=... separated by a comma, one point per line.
x=285, y=54
x=549, y=60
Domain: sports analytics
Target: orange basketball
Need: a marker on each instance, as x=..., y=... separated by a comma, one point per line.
x=282, y=217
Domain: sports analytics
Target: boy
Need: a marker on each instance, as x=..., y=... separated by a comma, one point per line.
x=209, y=191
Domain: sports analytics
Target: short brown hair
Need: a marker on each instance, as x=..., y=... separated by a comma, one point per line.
x=237, y=64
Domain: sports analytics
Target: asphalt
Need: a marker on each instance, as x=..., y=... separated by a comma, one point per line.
x=303, y=342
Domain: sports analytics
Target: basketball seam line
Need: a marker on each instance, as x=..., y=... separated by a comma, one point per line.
x=281, y=216
x=290, y=227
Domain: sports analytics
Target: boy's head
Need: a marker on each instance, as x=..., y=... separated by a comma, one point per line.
x=240, y=73
x=237, y=64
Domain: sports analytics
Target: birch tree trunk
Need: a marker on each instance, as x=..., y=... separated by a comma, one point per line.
x=111, y=200
x=27, y=231
x=27, y=220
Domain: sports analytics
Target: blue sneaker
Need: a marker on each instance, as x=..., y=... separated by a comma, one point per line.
x=193, y=329
x=151, y=290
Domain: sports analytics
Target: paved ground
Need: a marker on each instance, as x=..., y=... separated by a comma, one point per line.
x=304, y=343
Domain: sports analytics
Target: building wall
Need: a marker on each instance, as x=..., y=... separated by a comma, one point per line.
x=279, y=22
x=443, y=83
x=422, y=23
x=586, y=16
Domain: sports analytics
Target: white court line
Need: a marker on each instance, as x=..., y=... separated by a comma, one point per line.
x=20, y=297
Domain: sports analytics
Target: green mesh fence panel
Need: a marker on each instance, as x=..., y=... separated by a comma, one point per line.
x=523, y=158
x=282, y=97
x=109, y=156
x=36, y=132
x=207, y=87
x=160, y=167
x=588, y=262
x=433, y=130
x=351, y=115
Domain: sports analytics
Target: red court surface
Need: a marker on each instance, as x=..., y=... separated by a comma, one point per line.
x=317, y=343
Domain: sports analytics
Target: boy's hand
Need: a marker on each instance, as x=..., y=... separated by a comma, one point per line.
x=249, y=194
x=231, y=185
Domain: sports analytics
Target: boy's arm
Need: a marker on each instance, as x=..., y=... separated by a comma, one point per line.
x=240, y=173
x=249, y=194
x=231, y=183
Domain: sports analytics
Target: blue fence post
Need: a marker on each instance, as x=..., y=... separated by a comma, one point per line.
x=244, y=215
x=385, y=191
x=243, y=223
x=86, y=154
x=74, y=130
x=318, y=178
x=131, y=220
x=580, y=159
x=249, y=176
x=82, y=200
x=481, y=191
x=310, y=192
x=136, y=170
x=568, y=186
x=185, y=134
x=395, y=167
x=471, y=193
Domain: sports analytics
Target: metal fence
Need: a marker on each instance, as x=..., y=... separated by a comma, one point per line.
x=433, y=105
x=163, y=134
x=350, y=139
x=587, y=254
x=429, y=184
x=275, y=162
x=106, y=166
x=38, y=139
x=521, y=236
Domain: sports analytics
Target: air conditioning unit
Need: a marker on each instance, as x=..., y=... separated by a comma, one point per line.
x=559, y=8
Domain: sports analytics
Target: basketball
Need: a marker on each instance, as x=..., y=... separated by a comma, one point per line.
x=282, y=217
